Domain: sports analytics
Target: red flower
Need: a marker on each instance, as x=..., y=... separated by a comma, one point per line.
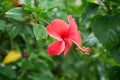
x=65, y=35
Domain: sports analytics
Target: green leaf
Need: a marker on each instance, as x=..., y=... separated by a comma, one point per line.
x=89, y=11
x=29, y=3
x=115, y=73
x=38, y=76
x=27, y=35
x=115, y=52
x=39, y=32
x=16, y=13
x=107, y=30
x=58, y=4
x=8, y=72
x=26, y=65
x=116, y=1
x=2, y=25
x=12, y=30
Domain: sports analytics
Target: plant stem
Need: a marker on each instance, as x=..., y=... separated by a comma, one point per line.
x=44, y=20
x=36, y=18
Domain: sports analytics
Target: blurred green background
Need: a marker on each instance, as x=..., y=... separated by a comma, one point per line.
x=22, y=28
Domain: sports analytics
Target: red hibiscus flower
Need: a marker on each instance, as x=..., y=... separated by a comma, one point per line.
x=65, y=35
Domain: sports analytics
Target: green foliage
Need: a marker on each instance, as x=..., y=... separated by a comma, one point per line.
x=115, y=52
x=7, y=72
x=16, y=13
x=12, y=30
x=116, y=1
x=114, y=73
x=23, y=29
x=2, y=25
x=39, y=32
x=89, y=11
x=107, y=30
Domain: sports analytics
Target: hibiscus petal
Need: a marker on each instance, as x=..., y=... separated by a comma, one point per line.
x=56, y=48
x=76, y=38
x=73, y=32
x=68, y=45
x=57, y=28
x=72, y=25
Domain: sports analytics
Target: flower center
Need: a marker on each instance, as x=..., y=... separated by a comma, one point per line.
x=64, y=37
